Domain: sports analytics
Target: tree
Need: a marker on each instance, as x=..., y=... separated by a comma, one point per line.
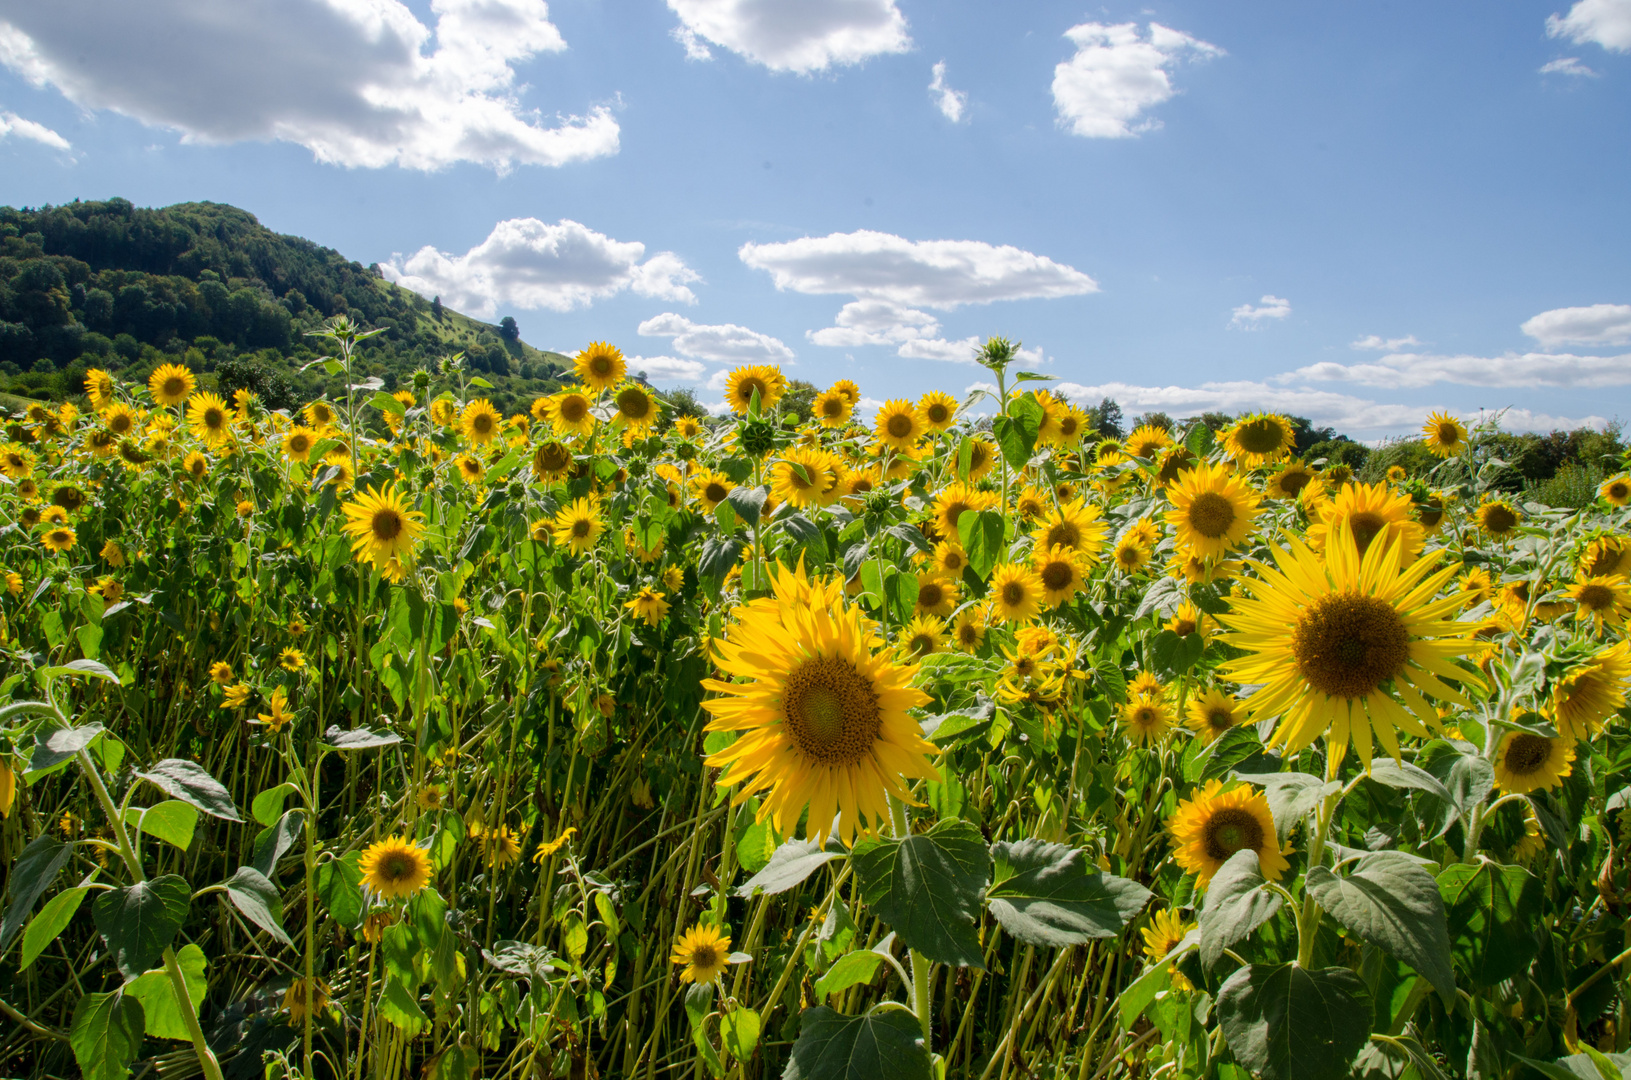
x=799, y=399
x=1154, y=419
x=509, y=331
x=1105, y=418
x=436, y=309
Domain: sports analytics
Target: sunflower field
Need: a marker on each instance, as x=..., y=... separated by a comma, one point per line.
x=397, y=737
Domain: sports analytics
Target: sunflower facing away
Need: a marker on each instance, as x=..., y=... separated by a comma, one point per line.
x=821, y=718
x=1444, y=435
x=383, y=530
x=766, y=380
x=1592, y=692
x=1213, y=511
x=1213, y=824
x=600, y=366
x=703, y=952
x=578, y=526
x=394, y=869
x=170, y=384
x=1528, y=762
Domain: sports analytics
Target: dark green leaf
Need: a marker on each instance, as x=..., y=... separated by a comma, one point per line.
x=1495, y=910
x=106, y=1035
x=699, y=1002
x=982, y=538
x=1406, y=775
x=808, y=534
x=748, y=502
x=717, y=558
x=187, y=781
x=885, y=1044
x=55, y=745
x=1395, y=905
x=927, y=888
x=273, y=842
x=259, y=900
x=1049, y=895
x=139, y=920
x=1236, y=904
x=1292, y=796
x=1228, y=752
x=791, y=863
x=1285, y=1022
x=903, y=589
x=36, y=868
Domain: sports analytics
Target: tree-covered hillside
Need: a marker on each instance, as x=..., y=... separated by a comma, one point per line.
x=111, y=285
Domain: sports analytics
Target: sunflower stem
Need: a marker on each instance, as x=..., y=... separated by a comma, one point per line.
x=922, y=984
x=1308, y=920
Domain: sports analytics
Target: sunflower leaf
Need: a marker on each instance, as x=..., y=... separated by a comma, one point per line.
x=789, y=865
x=359, y=739
x=928, y=889
x=106, y=1035
x=1286, y=1022
x=883, y=1044
x=140, y=920
x=1237, y=903
x=982, y=539
x=1494, y=910
x=1391, y=902
x=258, y=900
x=187, y=781
x=1293, y=796
x=1050, y=896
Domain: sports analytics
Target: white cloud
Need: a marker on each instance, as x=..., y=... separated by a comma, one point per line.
x=802, y=37
x=1567, y=65
x=12, y=124
x=1375, y=341
x=934, y=273
x=1606, y=22
x=1514, y=370
x=726, y=343
x=951, y=103
x=527, y=263
x=354, y=81
x=1116, y=75
x=1247, y=317
x=668, y=368
x=956, y=352
x=1599, y=324
x=875, y=322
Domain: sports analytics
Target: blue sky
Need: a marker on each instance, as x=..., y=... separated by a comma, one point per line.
x=1351, y=212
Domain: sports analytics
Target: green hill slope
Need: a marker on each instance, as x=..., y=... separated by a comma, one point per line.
x=111, y=285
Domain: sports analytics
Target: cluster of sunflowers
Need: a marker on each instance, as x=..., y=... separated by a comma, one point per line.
x=989, y=740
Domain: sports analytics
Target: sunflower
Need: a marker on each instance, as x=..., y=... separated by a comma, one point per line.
x=1031, y=504
x=1166, y=932
x=170, y=384
x=948, y=559
x=279, y=704
x=195, y=465
x=1175, y=461
x=1129, y=555
x=898, y=425
x=99, y=388
x=1444, y=435
x=687, y=427
x=1288, y=481
x=1328, y=637
x=766, y=380
x=703, y=953
x=1532, y=842
x=955, y=500
x=1147, y=441
x=1259, y=439
x=968, y=628
x=1146, y=721
x=924, y=635
x=633, y=545
x=1605, y=555
x=500, y=847
x=221, y=673
x=547, y=848
x=805, y=476
x=938, y=409
x=935, y=594
x=1016, y=593
x=578, y=526
x=1062, y=573
x=394, y=869
x=1108, y=452
x=298, y=443
x=982, y=455
x=710, y=489
x=823, y=719
x=1371, y=512
x=291, y=659
x=1186, y=619
x=1074, y=525
x=58, y=538
x=636, y=408
x=444, y=412
x=649, y=604
x=120, y=419
x=1498, y=518
x=16, y=462
x=469, y=468
x=551, y=461
x=1430, y=511
x=1616, y=490
x=53, y=515
x=600, y=366
x=1603, y=599
x=1213, y=511
x=1528, y=762
x=304, y=999
x=1592, y=692
x=851, y=392
x=236, y=697
x=571, y=415
x=1213, y=824
x=383, y=530
x=1211, y=714
x=480, y=422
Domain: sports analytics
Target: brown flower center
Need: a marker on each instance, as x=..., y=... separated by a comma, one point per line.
x=387, y=524
x=1595, y=597
x=1064, y=534
x=1527, y=753
x=1220, y=719
x=634, y=404
x=1211, y=514
x=1013, y=594
x=1057, y=575
x=1366, y=525
x=899, y=426
x=1448, y=434
x=1262, y=436
x=1499, y=518
x=1230, y=830
x=580, y=528
x=831, y=711
x=1346, y=645
x=931, y=594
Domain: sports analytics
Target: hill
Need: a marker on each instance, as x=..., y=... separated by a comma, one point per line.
x=108, y=284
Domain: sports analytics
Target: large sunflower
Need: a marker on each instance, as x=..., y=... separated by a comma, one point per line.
x=898, y=425
x=1444, y=435
x=1147, y=441
x=1062, y=572
x=703, y=953
x=170, y=384
x=1528, y=762
x=383, y=530
x=1213, y=824
x=938, y=409
x=710, y=489
x=600, y=366
x=1016, y=593
x=831, y=408
x=1213, y=510
x=766, y=380
x=1328, y=638
x=570, y=413
x=954, y=501
x=1592, y=692
x=1616, y=490
x=1498, y=518
x=1075, y=525
x=210, y=418
x=480, y=422
x=806, y=476
x=821, y=718
x=636, y=408
x=1259, y=439
x=578, y=526
x=394, y=869
x=1371, y=512
x=1602, y=599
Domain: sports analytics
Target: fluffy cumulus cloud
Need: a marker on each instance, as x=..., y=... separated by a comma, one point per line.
x=725, y=343
x=1376, y=341
x=12, y=124
x=875, y=322
x=527, y=263
x=671, y=369
x=951, y=103
x=1605, y=22
x=1250, y=317
x=1514, y=370
x=1117, y=75
x=358, y=82
x=802, y=37
x=1599, y=324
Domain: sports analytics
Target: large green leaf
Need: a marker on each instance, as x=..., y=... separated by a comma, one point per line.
x=853, y=968
x=789, y=865
x=982, y=538
x=928, y=888
x=739, y=1031
x=139, y=920
x=259, y=900
x=1049, y=895
x=187, y=781
x=1285, y=1022
x=172, y=821
x=1395, y=905
x=1494, y=910
x=1236, y=904
x=1293, y=796
x=36, y=868
x=885, y=1044
x=106, y=1034
x=51, y=921
x=158, y=994
x=339, y=887
x=1466, y=778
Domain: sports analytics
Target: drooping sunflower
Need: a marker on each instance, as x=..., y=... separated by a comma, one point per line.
x=1213, y=510
x=1016, y=593
x=99, y=388
x=710, y=489
x=599, y=367
x=394, y=869
x=1146, y=721
x=383, y=530
x=898, y=425
x=500, y=846
x=171, y=384
x=636, y=408
x=1372, y=513
x=1592, y=692
x=831, y=408
x=1602, y=599
x=280, y=714
x=1528, y=762
x=58, y=538
x=1328, y=637
x=1147, y=441
x=650, y=605
x=1497, y=518
x=1062, y=573
x=1212, y=824
x=1259, y=439
x=551, y=461
x=968, y=628
x=1166, y=932
x=1075, y=525
x=703, y=953
x=1605, y=555
x=578, y=526
x=938, y=409
x=480, y=422
x=1444, y=435
x=1211, y=714
x=766, y=380
x=303, y=999
x=954, y=501
x=924, y=635
x=822, y=718
x=1616, y=490
x=298, y=443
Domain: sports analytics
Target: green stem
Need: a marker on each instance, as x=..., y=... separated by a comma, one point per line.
x=922, y=967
